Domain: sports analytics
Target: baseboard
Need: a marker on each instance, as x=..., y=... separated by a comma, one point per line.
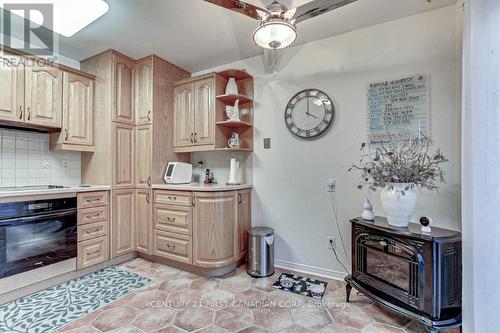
x=311, y=270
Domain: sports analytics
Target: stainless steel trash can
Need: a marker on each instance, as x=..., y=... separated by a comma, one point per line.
x=261, y=252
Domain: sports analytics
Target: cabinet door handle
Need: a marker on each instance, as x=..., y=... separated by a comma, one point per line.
x=149, y=181
x=172, y=198
x=20, y=112
x=92, y=253
x=195, y=137
x=191, y=138
x=67, y=134
x=93, y=200
x=171, y=247
x=240, y=199
x=171, y=219
x=147, y=197
x=92, y=231
x=29, y=113
x=149, y=115
x=193, y=201
x=93, y=215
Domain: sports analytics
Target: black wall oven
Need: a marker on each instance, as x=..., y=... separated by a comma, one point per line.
x=37, y=233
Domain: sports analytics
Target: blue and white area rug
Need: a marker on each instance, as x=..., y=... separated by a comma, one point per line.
x=55, y=307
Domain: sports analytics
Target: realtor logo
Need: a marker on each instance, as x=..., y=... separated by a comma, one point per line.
x=37, y=39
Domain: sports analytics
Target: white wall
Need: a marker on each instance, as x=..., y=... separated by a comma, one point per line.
x=290, y=179
x=481, y=177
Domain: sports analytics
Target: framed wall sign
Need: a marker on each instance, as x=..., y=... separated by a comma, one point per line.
x=398, y=108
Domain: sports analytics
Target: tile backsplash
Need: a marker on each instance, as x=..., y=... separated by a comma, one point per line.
x=25, y=159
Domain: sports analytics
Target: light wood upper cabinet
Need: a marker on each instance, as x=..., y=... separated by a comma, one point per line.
x=184, y=115
x=204, y=118
x=143, y=89
x=43, y=96
x=11, y=90
x=122, y=222
x=214, y=228
x=123, y=110
x=143, y=156
x=123, y=155
x=78, y=110
x=143, y=221
x=194, y=123
x=244, y=220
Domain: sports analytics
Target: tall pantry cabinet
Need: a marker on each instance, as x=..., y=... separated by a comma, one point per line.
x=133, y=105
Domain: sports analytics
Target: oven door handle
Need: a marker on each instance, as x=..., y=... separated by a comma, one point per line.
x=22, y=220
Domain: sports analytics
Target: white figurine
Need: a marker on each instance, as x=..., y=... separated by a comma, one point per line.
x=367, y=211
x=426, y=221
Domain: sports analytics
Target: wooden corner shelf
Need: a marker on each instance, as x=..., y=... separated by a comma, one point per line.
x=231, y=99
x=233, y=124
x=238, y=74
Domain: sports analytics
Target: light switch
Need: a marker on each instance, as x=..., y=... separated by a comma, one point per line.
x=267, y=143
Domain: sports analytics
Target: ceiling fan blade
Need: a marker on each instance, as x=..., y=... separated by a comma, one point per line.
x=242, y=8
x=314, y=8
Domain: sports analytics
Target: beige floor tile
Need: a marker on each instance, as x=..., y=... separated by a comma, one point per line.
x=154, y=318
x=312, y=318
x=194, y=318
x=115, y=318
x=273, y=318
x=234, y=318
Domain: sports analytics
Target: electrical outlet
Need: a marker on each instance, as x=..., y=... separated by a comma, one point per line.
x=331, y=185
x=331, y=242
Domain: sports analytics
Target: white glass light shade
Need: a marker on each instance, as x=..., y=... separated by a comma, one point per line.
x=275, y=35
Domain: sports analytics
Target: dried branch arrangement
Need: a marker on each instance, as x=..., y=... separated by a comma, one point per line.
x=409, y=163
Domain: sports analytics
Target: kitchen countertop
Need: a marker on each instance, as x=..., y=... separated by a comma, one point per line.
x=65, y=190
x=201, y=187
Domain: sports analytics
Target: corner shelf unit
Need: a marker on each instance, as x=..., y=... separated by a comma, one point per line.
x=225, y=128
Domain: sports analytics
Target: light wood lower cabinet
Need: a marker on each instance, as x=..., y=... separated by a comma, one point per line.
x=92, y=252
x=215, y=217
x=93, y=228
x=244, y=220
x=143, y=223
x=213, y=226
x=122, y=222
x=173, y=246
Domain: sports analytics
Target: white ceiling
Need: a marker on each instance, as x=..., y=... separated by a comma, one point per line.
x=197, y=35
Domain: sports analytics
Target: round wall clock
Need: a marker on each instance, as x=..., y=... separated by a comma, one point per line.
x=309, y=114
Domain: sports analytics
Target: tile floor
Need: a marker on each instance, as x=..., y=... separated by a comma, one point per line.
x=179, y=301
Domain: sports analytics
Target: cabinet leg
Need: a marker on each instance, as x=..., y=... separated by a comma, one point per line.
x=348, y=289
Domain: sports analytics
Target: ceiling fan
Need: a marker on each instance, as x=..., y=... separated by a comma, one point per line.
x=277, y=28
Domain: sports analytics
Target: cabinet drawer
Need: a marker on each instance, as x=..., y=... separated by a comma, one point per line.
x=92, y=252
x=93, y=199
x=93, y=230
x=172, y=246
x=173, y=198
x=175, y=219
x=92, y=215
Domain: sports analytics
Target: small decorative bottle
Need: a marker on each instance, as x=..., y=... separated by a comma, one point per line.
x=367, y=211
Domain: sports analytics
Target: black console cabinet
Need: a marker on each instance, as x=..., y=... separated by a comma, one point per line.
x=416, y=274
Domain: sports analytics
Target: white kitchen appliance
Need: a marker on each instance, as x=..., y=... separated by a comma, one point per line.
x=178, y=173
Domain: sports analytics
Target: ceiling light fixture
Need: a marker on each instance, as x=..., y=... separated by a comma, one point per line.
x=70, y=16
x=275, y=34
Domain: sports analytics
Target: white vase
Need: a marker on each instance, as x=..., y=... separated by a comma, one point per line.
x=398, y=207
x=231, y=87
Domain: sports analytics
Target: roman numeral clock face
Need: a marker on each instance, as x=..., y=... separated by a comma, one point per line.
x=309, y=114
